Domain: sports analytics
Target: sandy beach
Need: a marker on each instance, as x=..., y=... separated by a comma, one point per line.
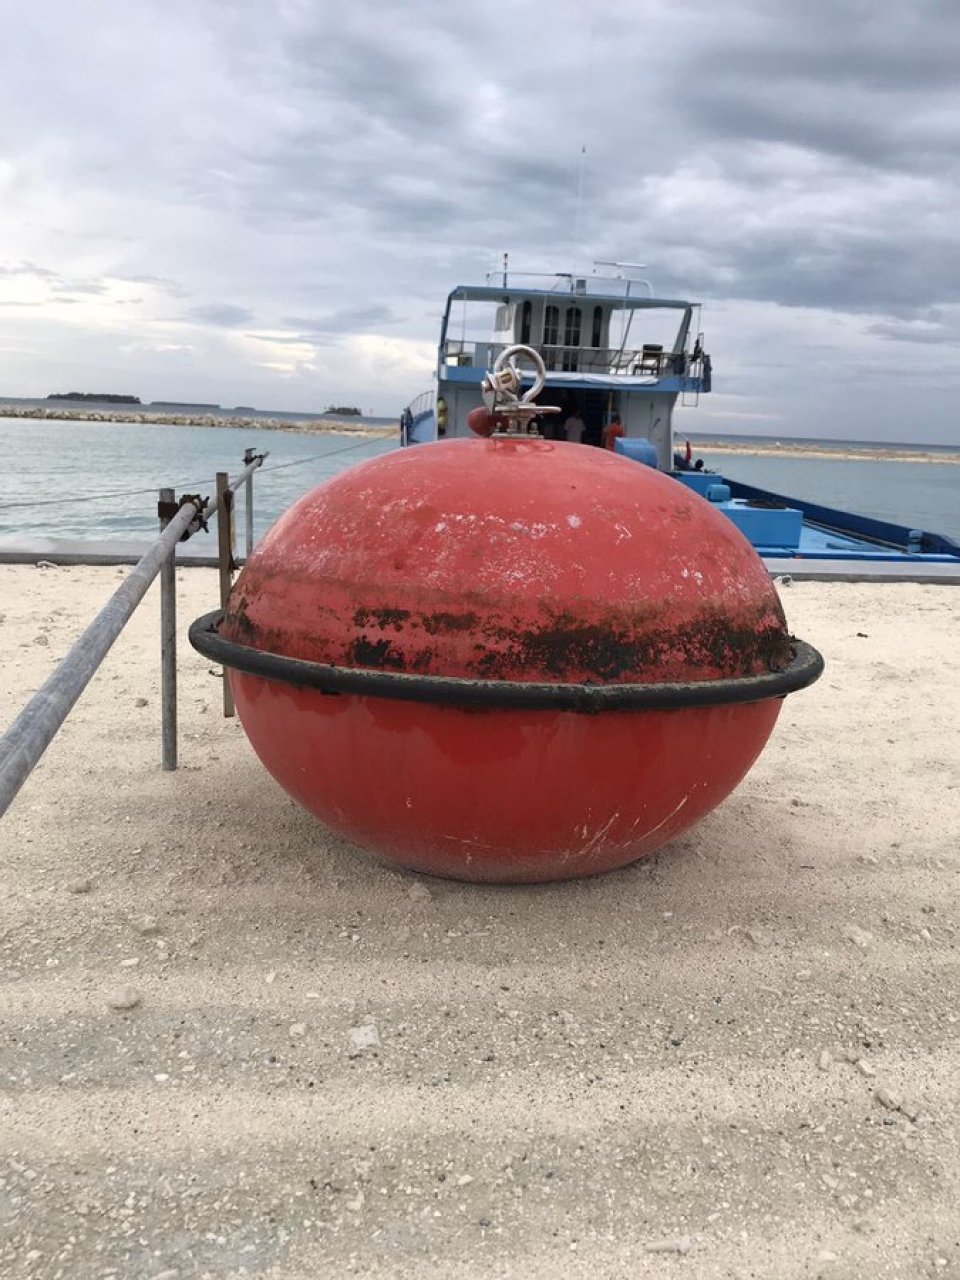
x=801, y=449
x=738, y=1059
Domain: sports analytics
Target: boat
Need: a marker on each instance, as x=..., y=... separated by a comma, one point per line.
x=608, y=346
x=617, y=361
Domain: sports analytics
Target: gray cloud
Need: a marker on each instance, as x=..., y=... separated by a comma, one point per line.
x=27, y=269
x=223, y=314
x=90, y=286
x=335, y=170
x=347, y=320
x=171, y=287
x=928, y=333
x=295, y=339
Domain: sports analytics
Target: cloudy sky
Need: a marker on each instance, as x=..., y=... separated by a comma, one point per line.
x=266, y=201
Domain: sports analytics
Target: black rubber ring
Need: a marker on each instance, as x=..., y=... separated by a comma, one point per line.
x=805, y=667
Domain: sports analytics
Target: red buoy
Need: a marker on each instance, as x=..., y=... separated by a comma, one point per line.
x=506, y=659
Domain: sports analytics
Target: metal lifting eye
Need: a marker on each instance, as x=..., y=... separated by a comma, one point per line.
x=500, y=390
x=510, y=356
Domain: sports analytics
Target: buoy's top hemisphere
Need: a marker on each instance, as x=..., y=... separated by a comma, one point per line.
x=515, y=559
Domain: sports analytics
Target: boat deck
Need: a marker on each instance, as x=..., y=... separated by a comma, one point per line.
x=827, y=556
x=829, y=544
x=810, y=541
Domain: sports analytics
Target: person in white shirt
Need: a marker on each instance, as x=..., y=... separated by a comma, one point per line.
x=573, y=428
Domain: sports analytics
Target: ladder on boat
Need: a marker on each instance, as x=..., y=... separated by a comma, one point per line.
x=690, y=395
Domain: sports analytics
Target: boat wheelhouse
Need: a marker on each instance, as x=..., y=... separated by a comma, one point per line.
x=609, y=347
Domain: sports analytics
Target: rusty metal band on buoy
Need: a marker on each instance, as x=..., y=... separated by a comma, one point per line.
x=805, y=667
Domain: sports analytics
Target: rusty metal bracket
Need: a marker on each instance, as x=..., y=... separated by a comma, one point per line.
x=167, y=510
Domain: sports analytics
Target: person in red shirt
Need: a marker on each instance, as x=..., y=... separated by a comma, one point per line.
x=612, y=432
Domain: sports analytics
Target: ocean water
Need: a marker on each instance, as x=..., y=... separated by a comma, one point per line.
x=99, y=480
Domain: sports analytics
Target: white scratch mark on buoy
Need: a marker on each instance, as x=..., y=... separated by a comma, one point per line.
x=673, y=814
x=471, y=842
x=598, y=835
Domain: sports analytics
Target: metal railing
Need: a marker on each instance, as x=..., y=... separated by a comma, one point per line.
x=28, y=737
x=558, y=357
x=421, y=404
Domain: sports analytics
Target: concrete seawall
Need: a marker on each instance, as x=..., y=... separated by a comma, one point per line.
x=309, y=426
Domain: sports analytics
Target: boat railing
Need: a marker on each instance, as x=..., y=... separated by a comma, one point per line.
x=650, y=360
x=423, y=403
x=28, y=737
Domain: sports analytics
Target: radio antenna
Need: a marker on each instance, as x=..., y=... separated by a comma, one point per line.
x=582, y=162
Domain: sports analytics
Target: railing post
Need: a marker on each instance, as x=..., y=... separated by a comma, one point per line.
x=248, y=457
x=168, y=648
x=225, y=562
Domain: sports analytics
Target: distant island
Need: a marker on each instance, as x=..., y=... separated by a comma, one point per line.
x=96, y=397
x=344, y=410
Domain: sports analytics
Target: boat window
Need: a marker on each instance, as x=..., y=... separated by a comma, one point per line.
x=597, y=333
x=504, y=318
x=525, y=316
x=551, y=325
x=571, y=327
